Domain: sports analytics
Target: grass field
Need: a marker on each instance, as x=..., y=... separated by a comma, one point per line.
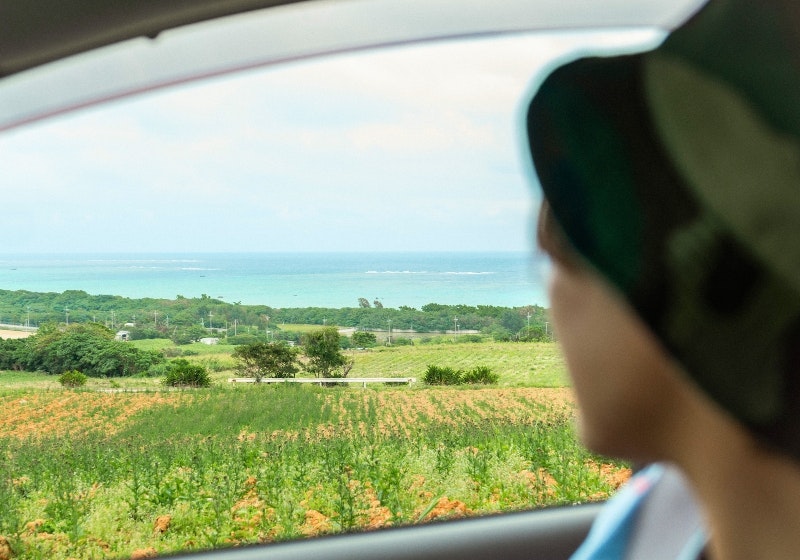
x=530, y=364
x=518, y=364
x=526, y=364
x=102, y=472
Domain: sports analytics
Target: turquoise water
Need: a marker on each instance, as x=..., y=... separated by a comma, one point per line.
x=289, y=280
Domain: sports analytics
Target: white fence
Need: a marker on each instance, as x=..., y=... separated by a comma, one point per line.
x=325, y=380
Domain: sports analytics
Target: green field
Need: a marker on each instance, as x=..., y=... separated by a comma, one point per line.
x=531, y=364
x=519, y=364
x=104, y=471
x=528, y=364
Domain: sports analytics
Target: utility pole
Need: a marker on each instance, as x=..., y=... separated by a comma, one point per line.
x=66, y=312
x=155, y=318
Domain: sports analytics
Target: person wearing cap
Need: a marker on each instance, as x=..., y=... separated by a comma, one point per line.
x=671, y=213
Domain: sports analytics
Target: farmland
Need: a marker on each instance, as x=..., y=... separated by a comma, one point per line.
x=92, y=473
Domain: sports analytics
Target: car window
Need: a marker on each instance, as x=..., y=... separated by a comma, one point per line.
x=361, y=223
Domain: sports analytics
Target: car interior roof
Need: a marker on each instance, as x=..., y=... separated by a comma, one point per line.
x=35, y=32
x=40, y=78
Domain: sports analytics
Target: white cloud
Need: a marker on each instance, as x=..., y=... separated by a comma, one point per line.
x=407, y=148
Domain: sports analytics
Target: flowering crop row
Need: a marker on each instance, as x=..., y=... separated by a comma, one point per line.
x=87, y=475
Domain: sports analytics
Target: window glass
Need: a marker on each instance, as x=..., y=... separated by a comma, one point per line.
x=360, y=217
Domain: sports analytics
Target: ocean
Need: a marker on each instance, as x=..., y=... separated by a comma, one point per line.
x=290, y=280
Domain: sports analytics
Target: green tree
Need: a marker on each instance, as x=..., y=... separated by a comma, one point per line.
x=512, y=320
x=89, y=348
x=324, y=357
x=363, y=339
x=364, y=303
x=534, y=333
x=266, y=359
x=187, y=335
x=500, y=334
x=16, y=353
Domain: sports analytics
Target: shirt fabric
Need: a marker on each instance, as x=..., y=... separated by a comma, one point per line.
x=654, y=516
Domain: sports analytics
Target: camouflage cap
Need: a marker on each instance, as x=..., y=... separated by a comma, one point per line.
x=676, y=174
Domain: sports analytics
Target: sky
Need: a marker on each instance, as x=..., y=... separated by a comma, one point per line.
x=406, y=149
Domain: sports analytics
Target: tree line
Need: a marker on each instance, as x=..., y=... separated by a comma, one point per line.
x=90, y=349
x=185, y=319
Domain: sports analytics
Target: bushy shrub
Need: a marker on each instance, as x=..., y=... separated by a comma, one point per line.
x=402, y=341
x=443, y=339
x=500, y=334
x=288, y=336
x=470, y=338
x=480, y=375
x=156, y=370
x=180, y=373
x=245, y=338
x=436, y=375
x=72, y=379
x=534, y=333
